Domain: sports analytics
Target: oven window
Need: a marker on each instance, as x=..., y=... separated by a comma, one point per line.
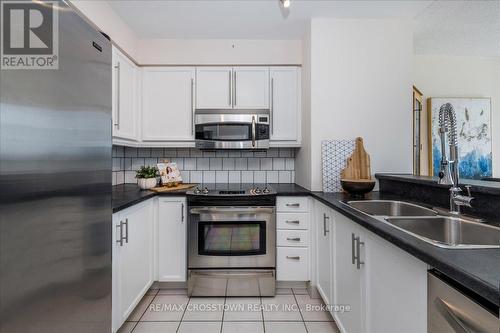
x=231, y=239
x=223, y=132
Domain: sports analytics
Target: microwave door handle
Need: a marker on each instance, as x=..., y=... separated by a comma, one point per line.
x=253, y=131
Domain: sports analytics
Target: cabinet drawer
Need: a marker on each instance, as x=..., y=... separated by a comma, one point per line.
x=292, y=264
x=292, y=204
x=292, y=221
x=295, y=238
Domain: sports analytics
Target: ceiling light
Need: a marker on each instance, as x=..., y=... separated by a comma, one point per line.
x=285, y=3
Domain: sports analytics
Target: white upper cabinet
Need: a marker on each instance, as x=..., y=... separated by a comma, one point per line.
x=168, y=103
x=172, y=254
x=125, y=101
x=251, y=87
x=285, y=99
x=245, y=87
x=214, y=87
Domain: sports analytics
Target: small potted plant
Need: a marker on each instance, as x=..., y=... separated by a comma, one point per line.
x=146, y=177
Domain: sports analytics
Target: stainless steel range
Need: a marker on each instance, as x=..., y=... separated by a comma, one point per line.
x=232, y=240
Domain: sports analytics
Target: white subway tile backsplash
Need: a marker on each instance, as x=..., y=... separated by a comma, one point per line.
x=266, y=163
x=215, y=163
x=196, y=166
x=278, y=163
x=221, y=176
x=259, y=176
x=234, y=177
x=137, y=163
x=202, y=163
x=228, y=163
x=254, y=163
x=247, y=176
x=130, y=177
x=151, y=161
x=190, y=163
x=284, y=177
x=208, y=176
x=272, y=177
x=196, y=176
x=113, y=178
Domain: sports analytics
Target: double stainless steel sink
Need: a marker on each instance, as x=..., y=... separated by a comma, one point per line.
x=425, y=224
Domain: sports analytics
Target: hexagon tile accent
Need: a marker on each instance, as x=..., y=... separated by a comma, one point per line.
x=334, y=155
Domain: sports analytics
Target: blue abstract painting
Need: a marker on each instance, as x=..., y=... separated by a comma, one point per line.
x=474, y=135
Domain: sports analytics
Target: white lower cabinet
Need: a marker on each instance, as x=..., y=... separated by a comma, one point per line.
x=292, y=239
x=324, y=263
x=132, y=258
x=384, y=287
x=172, y=255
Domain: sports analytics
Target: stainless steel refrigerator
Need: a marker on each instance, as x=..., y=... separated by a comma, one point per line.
x=55, y=188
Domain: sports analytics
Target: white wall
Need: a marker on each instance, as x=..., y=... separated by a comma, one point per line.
x=458, y=76
x=106, y=19
x=361, y=83
x=303, y=155
x=218, y=51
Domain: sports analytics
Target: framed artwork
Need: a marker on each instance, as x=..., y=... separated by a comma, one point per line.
x=474, y=135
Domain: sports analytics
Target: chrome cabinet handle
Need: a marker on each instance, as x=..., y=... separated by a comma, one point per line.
x=126, y=230
x=325, y=231
x=293, y=257
x=192, y=106
x=358, y=250
x=353, y=248
x=234, y=87
x=292, y=221
x=120, y=238
x=295, y=239
x=182, y=213
x=293, y=205
x=271, y=107
x=253, y=131
x=230, y=96
x=117, y=116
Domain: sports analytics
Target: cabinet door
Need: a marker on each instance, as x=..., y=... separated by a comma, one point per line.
x=324, y=230
x=168, y=104
x=396, y=288
x=172, y=252
x=125, y=97
x=348, y=279
x=134, y=256
x=285, y=104
x=214, y=87
x=251, y=87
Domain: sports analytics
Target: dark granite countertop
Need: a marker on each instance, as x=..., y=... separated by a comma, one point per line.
x=479, y=186
x=127, y=195
x=477, y=270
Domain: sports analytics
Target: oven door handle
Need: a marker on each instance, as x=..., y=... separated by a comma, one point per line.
x=230, y=210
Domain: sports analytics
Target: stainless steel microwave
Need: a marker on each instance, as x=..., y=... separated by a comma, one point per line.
x=232, y=129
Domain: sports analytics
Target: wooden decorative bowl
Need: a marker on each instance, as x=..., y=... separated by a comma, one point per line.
x=357, y=186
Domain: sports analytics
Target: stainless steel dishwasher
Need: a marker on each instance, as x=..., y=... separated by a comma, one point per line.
x=451, y=311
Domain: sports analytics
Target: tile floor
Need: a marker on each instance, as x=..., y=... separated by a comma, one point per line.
x=172, y=311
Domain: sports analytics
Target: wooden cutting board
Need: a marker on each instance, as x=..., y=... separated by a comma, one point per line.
x=358, y=164
x=161, y=189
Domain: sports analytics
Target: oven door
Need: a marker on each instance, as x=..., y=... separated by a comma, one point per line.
x=232, y=237
x=232, y=131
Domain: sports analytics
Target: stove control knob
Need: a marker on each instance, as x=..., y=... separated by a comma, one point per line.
x=266, y=190
x=257, y=190
x=197, y=190
x=205, y=190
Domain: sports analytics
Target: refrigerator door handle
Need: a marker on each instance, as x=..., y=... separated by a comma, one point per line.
x=117, y=115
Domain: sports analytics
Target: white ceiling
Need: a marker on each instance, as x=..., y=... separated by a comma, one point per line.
x=443, y=27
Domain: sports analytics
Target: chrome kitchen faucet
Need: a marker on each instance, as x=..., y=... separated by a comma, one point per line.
x=448, y=173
